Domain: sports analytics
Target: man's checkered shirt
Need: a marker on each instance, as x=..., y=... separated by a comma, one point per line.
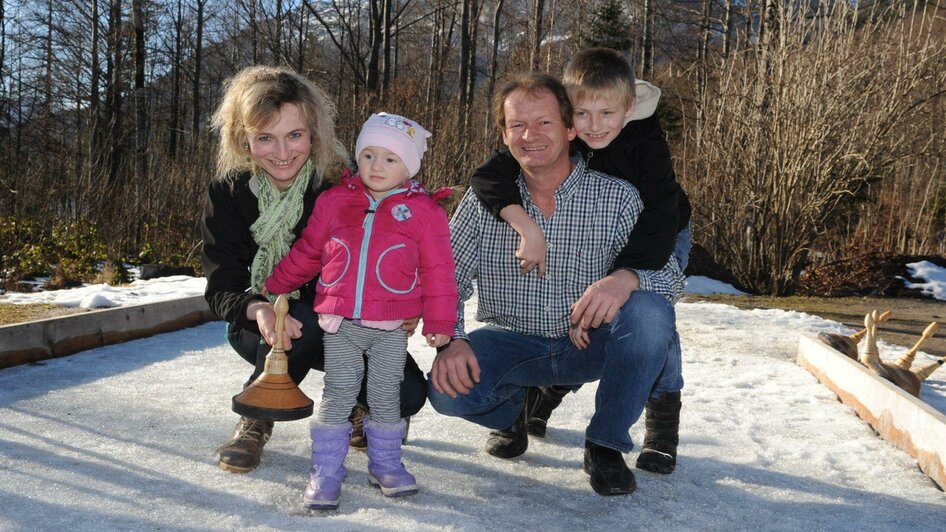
x=594, y=214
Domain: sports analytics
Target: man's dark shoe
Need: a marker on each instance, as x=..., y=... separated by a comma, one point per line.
x=509, y=442
x=242, y=453
x=609, y=474
x=357, y=419
x=659, y=454
x=540, y=402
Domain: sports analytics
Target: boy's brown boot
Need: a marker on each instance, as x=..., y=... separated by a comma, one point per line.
x=659, y=454
x=540, y=402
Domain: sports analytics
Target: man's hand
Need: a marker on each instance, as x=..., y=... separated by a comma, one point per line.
x=263, y=313
x=579, y=336
x=603, y=299
x=455, y=369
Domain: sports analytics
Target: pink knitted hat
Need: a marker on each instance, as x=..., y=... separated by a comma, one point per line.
x=402, y=136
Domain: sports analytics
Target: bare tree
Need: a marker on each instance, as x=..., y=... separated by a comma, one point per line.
x=141, y=109
x=177, y=78
x=647, y=39
x=198, y=71
x=538, y=15
x=493, y=67
x=114, y=54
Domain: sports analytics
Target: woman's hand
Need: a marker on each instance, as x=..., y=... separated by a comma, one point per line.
x=263, y=313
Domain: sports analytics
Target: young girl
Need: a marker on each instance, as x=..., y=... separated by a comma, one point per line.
x=381, y=248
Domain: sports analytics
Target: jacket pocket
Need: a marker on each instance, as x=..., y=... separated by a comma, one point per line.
x=396, y=269
x=336, y=259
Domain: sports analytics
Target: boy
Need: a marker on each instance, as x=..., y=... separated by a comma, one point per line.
x=617, y=134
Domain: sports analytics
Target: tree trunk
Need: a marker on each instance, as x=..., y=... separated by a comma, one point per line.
x=474, y=37
x=301, y=41
x=279, y=53
x=538, y=11
x=493, y=66
x=198, y=60
x=3, y=45
x=647, y=42
x=141, y=118
x=464, y=56
x=433, y=65
x=728, y=29
x=95, y=134
x=113, y=95
x=254, y=31
x=48, y=62
x=176, y=76
x=386, y=19
x=375, y=29
x=703, y=67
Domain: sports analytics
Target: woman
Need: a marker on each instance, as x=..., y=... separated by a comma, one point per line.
x=277, y=145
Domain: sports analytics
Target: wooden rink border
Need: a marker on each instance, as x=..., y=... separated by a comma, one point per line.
x=33, y=341
x=900, y=418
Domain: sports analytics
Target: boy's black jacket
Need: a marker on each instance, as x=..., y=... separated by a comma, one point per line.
x=639, y=155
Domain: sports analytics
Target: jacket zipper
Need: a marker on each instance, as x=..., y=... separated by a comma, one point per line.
x=367, y=225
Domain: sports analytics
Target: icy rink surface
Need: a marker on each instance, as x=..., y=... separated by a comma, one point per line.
x=121, y=437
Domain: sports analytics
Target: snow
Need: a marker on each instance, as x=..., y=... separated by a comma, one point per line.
x=934, y=275
x=105, y=296
x=165, y=288
x=121, y=437
x=697, y=284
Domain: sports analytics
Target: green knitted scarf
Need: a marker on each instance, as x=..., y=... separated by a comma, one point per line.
x=279, y=212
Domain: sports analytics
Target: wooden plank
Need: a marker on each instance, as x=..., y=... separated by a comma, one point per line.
x=900, y=418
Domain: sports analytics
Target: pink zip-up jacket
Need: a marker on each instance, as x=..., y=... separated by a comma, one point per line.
x=386, y=259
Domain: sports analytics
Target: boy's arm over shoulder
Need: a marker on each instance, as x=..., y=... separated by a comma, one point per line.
x=654, y=234
x=494, y=182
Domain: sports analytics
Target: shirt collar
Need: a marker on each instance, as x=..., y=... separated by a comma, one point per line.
x=567, y=188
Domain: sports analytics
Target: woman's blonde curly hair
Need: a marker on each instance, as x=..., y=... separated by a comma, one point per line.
x=252, y=99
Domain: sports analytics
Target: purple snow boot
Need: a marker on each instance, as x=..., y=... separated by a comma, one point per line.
x=385, y=469
x=329, y=447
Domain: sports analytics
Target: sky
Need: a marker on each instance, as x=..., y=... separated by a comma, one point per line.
x=122, y=437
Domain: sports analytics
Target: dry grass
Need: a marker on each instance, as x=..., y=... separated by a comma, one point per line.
x=15, y=313
x=909, y=315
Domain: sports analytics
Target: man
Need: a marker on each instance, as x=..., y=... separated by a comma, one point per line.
x=574, y=325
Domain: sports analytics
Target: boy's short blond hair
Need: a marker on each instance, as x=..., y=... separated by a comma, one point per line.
x=600, y=72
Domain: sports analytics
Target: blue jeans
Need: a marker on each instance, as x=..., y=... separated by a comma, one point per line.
x=625, y=356
x=671, y=378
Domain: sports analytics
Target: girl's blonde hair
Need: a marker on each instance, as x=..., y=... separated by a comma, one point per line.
x=252, y=99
